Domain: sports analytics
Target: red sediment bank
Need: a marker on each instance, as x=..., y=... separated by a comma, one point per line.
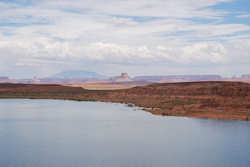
x=216, y=100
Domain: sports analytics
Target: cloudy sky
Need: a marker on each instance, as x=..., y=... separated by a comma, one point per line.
x=141, y=37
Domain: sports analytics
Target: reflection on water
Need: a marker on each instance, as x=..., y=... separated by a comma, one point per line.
x=52, y=133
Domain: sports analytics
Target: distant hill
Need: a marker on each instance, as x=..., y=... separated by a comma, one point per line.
x=4, y=79
x=78, y=74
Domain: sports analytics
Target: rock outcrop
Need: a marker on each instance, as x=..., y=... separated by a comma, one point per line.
x=124, y=77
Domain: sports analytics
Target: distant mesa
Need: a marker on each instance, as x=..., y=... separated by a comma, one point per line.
x=178, y=78
x=81, y=76
x=78, y=74
x=124, y=77
x=245, y=76
x=35, y=80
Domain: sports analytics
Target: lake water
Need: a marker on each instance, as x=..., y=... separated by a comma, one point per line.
x=54, y=133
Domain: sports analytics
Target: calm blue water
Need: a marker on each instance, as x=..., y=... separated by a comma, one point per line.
x=53, y=133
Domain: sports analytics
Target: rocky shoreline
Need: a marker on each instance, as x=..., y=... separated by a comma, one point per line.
x=213, y=99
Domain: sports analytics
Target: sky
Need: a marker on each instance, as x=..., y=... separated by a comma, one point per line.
x=141, y=37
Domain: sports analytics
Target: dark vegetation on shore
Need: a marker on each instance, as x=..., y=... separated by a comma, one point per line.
x=219, y=100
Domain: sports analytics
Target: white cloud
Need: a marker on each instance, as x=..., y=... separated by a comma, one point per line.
x=153, y=32
x=243, y=16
